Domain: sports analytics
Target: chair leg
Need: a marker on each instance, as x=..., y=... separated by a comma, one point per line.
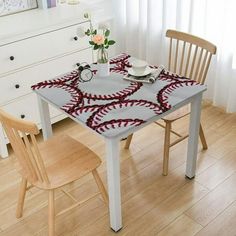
x=128, y=141
x=100, y=186
x=21, y=198
x=166, y=148
x=51, y=213
x=202, y=138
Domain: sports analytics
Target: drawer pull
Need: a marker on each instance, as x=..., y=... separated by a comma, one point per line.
x=22, y=116
x=12, y=58
x=75, y=38
x=17, y=86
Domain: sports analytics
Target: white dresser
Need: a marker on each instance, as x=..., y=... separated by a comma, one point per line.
x=34, y=46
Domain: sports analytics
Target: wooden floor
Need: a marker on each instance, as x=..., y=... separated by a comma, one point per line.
x=151, y=203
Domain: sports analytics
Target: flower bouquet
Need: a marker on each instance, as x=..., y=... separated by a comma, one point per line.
x=99, y=40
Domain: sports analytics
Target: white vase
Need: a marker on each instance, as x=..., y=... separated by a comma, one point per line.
x=104, y=69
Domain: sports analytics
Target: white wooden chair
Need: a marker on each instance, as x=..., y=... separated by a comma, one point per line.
x=189, y=56
x=49, y=166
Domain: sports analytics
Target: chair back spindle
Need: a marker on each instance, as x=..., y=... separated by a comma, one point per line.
x=21, y=135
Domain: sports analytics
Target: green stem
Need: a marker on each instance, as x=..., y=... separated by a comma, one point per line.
x=103, y=58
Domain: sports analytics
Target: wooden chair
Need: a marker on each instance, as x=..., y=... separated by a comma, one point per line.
x=49, y=166
x=189, y=56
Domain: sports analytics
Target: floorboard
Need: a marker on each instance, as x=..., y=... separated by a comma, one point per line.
x=151, y=203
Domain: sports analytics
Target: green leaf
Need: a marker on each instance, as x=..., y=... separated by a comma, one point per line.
x=87, y=32
x=107, y=33
x=107, y=46
x=91, y=42
x=106, y=41
x=111, y=42
x=95, y=47
x=95, y=32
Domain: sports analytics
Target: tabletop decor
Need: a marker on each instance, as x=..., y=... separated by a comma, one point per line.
x=100, y=41
x=150, y=78
x=85, y=73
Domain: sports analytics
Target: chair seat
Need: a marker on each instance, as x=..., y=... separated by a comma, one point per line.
x=66, y=160
x=183, y=111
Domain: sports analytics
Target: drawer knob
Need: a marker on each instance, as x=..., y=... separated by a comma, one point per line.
x=12, y=58
x=22, y=116
x=17, y=86
x=75, y=38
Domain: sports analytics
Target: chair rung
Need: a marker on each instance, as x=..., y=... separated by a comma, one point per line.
x=178, y=140
x=159, y=124
x=172, y=131
x=69, y=195
x=76, y=204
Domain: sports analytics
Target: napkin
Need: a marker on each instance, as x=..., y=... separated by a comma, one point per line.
x=150, y=79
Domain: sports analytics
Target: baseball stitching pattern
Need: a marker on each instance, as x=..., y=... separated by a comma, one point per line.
x=163, y=95
x=120, y=64
x=96, y=120
x=96, y=108
x=120, y=95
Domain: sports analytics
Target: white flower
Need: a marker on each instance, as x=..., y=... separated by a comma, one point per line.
x=103, y=26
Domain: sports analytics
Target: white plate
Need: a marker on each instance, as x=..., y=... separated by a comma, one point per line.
x=147, y=71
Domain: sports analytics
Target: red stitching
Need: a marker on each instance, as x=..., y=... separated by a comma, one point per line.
x=120, y=95
x=104, y=109
x=171, y=77
x=162, y=97
x=101, y=128
x=79, y=110
x=58, y=81
x=76, y=106
x=77, y=96
x=122, y=57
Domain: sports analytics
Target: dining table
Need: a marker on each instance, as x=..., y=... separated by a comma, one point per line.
x=114, y=108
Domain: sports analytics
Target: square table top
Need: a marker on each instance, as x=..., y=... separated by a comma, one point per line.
x=110, y=105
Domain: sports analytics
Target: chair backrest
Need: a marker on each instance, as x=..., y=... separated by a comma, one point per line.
x=189, y=56
x=21, y=135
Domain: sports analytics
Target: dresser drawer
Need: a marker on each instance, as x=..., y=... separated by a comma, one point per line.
x=19, y=84
x=42, y=47
x=27, y=108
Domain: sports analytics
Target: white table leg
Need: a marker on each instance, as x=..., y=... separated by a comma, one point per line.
x=113, y=179
x=193, y=136
x=45, y=118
